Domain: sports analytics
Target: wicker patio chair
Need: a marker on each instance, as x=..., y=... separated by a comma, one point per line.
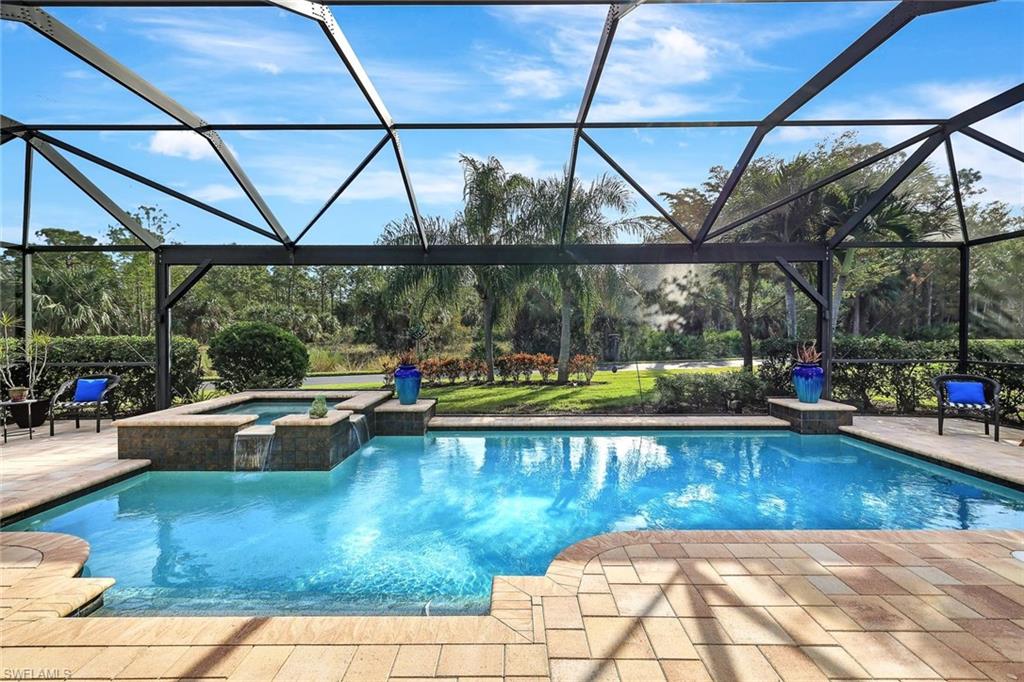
x=78, y=408
x=988, y=409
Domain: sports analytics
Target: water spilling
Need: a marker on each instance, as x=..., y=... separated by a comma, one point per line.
x=252, y=449
x=360, y=432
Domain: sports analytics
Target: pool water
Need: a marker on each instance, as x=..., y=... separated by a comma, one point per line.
x=267, y=410
x=410, y=520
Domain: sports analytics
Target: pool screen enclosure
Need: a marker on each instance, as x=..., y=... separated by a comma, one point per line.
x=695, y=246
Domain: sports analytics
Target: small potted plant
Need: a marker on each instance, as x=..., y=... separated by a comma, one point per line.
x=22, y=357
x=318, y=410
x=407, y=379
x=808, y=376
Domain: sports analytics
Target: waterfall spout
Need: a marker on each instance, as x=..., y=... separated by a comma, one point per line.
x=360, y=432
x=253, y=447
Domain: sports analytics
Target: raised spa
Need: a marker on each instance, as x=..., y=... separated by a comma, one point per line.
x=408, y=521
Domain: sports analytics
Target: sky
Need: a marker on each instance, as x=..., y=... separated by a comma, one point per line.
x=523, y=63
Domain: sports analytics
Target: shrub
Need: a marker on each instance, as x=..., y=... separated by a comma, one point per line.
x=545, y=365
x=250, y=355
x=137, y=390
x=709, y=392
x=474, y=370
x=905, y=386
x=583, y=366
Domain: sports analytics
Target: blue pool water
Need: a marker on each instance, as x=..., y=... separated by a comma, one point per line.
x=268, y=410
x=407, y=520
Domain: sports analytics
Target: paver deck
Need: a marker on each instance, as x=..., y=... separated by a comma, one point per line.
x=668, y=605
x=47, y=468
x=964, y=445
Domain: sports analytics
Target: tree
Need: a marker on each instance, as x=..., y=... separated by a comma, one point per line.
x=494, y=201
x=575, y=286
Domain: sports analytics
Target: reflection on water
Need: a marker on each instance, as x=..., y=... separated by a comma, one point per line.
x=408, y=520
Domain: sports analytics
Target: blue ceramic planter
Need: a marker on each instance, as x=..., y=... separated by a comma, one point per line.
x=407, y=384
x=808, y=380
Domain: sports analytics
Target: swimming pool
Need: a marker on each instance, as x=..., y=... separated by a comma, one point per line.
x=267, y=410
x=410, y=520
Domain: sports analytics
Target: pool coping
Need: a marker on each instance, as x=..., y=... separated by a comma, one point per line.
x=978, y=469
x=650, y=422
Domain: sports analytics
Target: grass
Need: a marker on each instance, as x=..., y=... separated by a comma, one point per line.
x=608, y=392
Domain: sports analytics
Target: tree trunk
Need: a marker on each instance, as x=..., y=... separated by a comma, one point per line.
x=565, y=338
x=488, y=314
x=837, y=293
x=790, y=308
x=855, y=322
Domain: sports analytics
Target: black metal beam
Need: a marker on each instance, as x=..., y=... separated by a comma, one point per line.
x=998, y=145
x=801, y=282
x=120, y=170
x=874, y=158
x=324, y=18
x=882, y=193
x=636, y=185
x=162, y=329
x=604, y=45
x=963, y=316
x=993, y=238
x=826, y=320
x=52, y=29
x=882, y=30
x=186, y=284
x=11, y=246
x=344, y=185
x=897, y=245
x=77, y=178
x=993, y=105
x=26, y=197
x=473, y=125
x=954, y=178
x=572, y=254
x=86, y=248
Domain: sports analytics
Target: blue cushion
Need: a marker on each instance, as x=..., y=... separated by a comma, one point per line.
x=971, y=392
x=89, y=390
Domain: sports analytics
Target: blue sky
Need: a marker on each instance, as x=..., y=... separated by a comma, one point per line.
x=477, y=63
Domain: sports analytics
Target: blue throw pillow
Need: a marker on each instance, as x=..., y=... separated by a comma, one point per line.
x=969, y=392
x=89, y=390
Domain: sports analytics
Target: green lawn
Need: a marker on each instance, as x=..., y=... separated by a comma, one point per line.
x=608, y=392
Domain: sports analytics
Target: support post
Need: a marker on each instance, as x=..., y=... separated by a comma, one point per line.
x=964, y=313
x=26, y=294
x=163, y=332
x=825, y=314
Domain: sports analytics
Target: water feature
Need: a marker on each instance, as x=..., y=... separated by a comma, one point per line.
x=253, y=448
x=359, y=433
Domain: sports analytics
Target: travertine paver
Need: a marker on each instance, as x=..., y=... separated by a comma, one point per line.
x=828, y=612
x=964, y=443
x=34, y=472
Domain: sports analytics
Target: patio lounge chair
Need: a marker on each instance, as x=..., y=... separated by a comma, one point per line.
x=968, y=392
x=89, y=392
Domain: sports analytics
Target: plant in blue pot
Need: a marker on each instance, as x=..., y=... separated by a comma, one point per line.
x=808, y=376
x=407, y=380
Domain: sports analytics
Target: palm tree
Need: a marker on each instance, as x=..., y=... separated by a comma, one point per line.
x=589, y=223
x=494, y=201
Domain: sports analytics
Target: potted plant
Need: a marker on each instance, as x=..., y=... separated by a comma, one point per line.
x=808, y=376
x=27, y=358
x=407, y=379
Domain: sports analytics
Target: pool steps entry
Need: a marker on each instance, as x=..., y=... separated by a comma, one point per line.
x=253, y=448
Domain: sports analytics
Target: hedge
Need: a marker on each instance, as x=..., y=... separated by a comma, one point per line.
x=904, y=388
x=137, y=390
x=710, y=392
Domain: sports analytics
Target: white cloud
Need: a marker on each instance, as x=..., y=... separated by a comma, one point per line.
x=182, y=143
x=540, y=82
x=217, y=192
